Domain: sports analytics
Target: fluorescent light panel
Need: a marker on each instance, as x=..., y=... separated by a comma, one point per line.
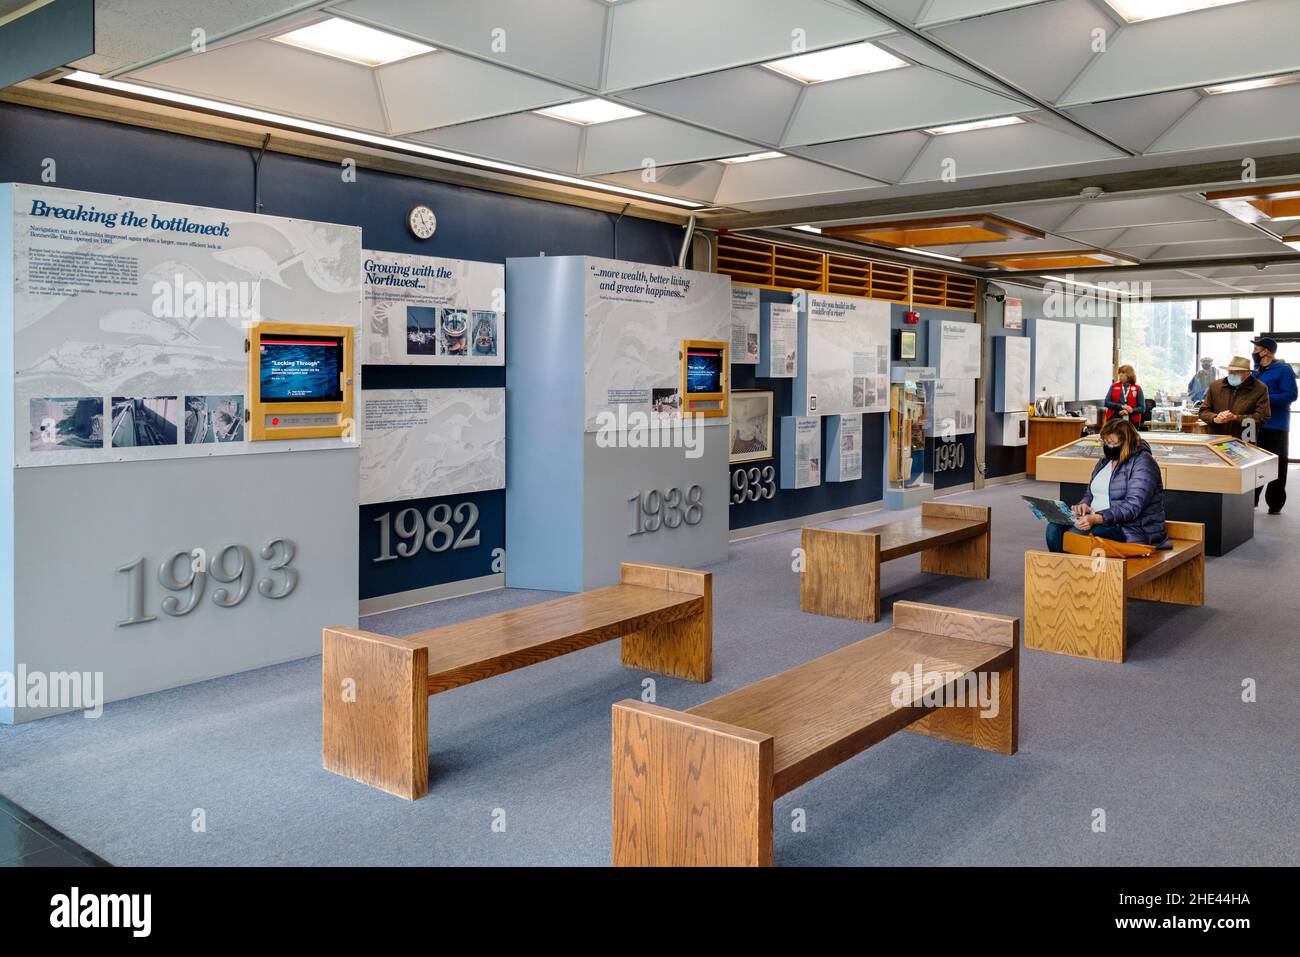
x=976, y=125
x=1258, y=84
x=589, y=112
x=752, y=157
x=1135, y=11
x=345, y=40
x=837, y=63
x=926, y=252
x=383, y=142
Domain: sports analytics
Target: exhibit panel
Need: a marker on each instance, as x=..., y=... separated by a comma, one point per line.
x=136, y=364
x=1052, y=364
x=843, y=363
x=1096, y=370
x=1011, y=365
x=617, y=390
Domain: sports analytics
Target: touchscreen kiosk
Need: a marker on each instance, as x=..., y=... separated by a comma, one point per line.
x=299, y=381
x=704, y=377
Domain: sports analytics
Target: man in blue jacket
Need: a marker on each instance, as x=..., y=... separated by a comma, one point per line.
x=1279, y=377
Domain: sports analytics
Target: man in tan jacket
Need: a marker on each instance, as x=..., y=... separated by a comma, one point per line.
x=1235, y=400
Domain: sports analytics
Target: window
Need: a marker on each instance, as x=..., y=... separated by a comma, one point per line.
x=1222, y=346
x=1286, y=314
x=1156, y=339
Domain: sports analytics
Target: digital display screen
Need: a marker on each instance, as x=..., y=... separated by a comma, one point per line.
x=703, y=371
x=298, y=368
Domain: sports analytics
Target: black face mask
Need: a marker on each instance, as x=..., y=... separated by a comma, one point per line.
x=1110, y=451
x=1257, y=357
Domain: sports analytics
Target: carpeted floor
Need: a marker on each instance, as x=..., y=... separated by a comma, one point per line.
x=1186, y=773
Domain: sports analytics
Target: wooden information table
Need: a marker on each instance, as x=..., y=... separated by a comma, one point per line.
x=1047, y=434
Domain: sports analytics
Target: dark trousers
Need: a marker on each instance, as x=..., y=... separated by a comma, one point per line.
x=1056, y=534
x=1276, y=441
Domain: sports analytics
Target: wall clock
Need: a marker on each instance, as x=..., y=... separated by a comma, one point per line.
x=421, y=221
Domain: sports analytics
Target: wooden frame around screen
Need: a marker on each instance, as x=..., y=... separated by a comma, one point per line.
x=259, y=410
x=719, y=397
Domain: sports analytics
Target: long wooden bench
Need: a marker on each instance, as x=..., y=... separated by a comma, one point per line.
x=375, y=689
x=1077, y=604
x=841, y=575
x=696, y=787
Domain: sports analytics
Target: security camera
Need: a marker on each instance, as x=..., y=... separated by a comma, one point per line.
x=996, y=293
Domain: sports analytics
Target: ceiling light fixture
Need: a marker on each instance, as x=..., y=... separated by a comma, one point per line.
x=345, y=40
x=926, y=252
x=589, y=112
x=975, y=125
x=752, y=157
x=1241, y=86
x=837, y=63
x=1135, y=11
x=93, y=80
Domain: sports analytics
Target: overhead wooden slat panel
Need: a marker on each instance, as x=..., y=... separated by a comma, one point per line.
x=745, y=260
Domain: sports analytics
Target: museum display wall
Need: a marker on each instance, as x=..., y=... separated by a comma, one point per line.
x=1002, y=459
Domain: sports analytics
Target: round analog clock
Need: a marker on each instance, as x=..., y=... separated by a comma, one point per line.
x=421, y=222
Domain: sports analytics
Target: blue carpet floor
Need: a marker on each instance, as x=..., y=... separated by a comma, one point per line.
x=1186, y=773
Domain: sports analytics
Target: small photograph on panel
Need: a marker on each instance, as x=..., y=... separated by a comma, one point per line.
x=860, y=397
x=751, y=343
x=421, y=331
x=485, y=332
x=453, y=334
x=144, y=421
x=665, y=403
x=214, y=418
x=62, y=424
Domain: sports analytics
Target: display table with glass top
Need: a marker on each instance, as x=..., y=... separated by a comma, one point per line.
x=1207, y=478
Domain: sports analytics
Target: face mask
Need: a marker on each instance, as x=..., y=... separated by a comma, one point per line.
x=1110, y=451
x=1257, y=357
x=1234, y=380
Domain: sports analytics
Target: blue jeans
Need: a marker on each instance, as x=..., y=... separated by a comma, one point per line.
x=1056, y=534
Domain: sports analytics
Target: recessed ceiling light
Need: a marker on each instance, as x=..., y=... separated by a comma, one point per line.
x=809, y=229
x=855, y=59
x=1135, y=11
x=976, y=125
x=1259, y=84
x=752, y=157
x=589, y=112
x=351, y=41
x=926, y=252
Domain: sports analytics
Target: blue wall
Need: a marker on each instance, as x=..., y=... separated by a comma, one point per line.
x=102, y=157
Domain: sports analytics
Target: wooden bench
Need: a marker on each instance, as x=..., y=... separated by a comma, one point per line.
x=375, y=689
x=1076, y=604
x=696, y=787
x=841, y=575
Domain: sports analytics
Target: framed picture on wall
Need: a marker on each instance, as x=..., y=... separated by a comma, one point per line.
x=906, y=345
x=751, y=424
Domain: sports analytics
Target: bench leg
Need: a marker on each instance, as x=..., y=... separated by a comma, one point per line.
x=968, y=558
x=682, y=648
x=687, y=791
x=1074, y=605
x=999, y=730
x=841, y=574
x=1185, y=585
x=375, y=711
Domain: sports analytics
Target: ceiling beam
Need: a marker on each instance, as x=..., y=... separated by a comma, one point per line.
x=1164, y=179
x=1178, y=265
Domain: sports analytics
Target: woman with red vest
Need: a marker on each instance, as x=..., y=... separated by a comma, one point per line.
x=1125, y=399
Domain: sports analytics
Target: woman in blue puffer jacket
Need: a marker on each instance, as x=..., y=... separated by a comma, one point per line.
x=1125, y=500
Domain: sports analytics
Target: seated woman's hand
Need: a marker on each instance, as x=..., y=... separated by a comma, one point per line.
x=1082, y=509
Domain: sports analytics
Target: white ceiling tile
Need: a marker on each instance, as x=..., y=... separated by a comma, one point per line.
x=749, y=102
x=1230, y=119
x=1136, y=122
x=747, y=182
x=1141, y=211
x=1220, y=248
x=630, y=144
x=1217, y=45
x=904, y=99
x=1024, y=146
x=881, y=157
x=943, y=11
x=525, y=138
x=693, y=181
x=443, y=88
x=657, y=40
x=559, y=39
x=1174, y=233
x=1039, y=48
x=273, y=76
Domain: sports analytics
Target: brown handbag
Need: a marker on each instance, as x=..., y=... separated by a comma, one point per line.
x=1089, y=544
